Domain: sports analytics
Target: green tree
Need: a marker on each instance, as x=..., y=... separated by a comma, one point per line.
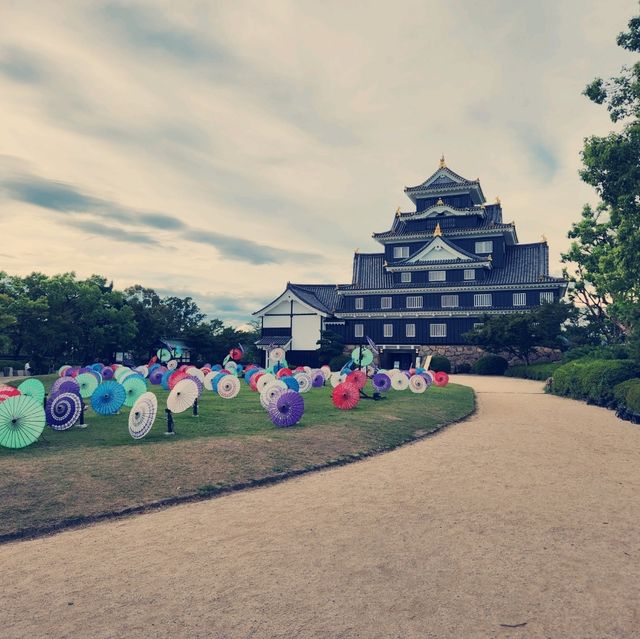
x=520, y=333
x=604, y=257
x=331, y=345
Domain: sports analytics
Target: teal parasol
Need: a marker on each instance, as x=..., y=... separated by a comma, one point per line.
x=33, y=388
x=21, y=421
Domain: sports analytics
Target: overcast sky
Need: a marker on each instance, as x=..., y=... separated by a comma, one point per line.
x=222, y=149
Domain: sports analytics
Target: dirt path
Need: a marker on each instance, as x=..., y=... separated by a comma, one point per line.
x=528, y=513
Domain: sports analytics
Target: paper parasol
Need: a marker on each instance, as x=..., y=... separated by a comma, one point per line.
x=291, y=383
x=164, y=355
x=427, y=378
x=33, y=388
x=236, y=354
x=283, y=372
x=195, y=372
x=172, y=365
x=155, y=376
x=400, y=382
x=361, y=356
x=198, y=383
x=345, y=396
x=135, y=387
x=358, y=378
x=143, y=370
x=175, y=377
x=62, y=410
x=231, y=366
x=107, y=373
x=21, y=421
x=164, y=382
x=265, y=380
x=208, y=379
x=317, y=380
x=287, y=409
x=254, y=379
x=276, y=354
x=63, y=369
x=142, y=415
x=108, y=398
x=271, y=391
x=228, y=387
x=441, y=379
x=417, y=384
x=182, y=396
x=304, y=382
x=381, y=382
x=335, y=379
x=7, y=392
x=88, y=384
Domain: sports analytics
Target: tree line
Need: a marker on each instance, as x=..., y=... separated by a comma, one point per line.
x=51, y=320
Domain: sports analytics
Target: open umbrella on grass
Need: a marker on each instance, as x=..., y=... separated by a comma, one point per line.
x=135, y=386
x=142, y=415
x=345, y=396
x=33, y=388
x=62, y=410
x=88, y=384
x=21, y=421
x=182, y=396
x=287, y=409
x=228, y=387
x=108, y=398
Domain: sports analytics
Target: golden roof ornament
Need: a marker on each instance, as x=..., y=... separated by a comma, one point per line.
x=398, y=212
x=442, y=162
x=438, y=230
x=357, y=251
x=544, y=238
x=440, y=202
x=497, y=199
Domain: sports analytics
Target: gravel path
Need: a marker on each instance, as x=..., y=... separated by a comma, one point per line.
x=528, y=513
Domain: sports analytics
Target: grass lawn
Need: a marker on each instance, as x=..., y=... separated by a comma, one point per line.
x=101, y=469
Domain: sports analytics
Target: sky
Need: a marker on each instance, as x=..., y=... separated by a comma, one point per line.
x=222, y=149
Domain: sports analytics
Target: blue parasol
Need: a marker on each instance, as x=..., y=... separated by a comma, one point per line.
x=108, y=398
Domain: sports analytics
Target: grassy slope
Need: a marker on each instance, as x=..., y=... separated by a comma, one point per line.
x=101, y=469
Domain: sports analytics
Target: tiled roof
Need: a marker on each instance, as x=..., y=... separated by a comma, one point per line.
x=276, y=340
x=524, y=264
x=400, y=228
x=440, y=183
x=324, y=297
x=453, y=247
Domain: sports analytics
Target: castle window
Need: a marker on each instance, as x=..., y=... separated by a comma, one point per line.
x=359, y=303
x=388, y=330
x=438, y=330
x=519, y=299
x=482, y=299
x=410, y=330
x=437, y=276
x=414, y=301
x=484, y=247
x=400, y=252
x=405, y=277
x=546, y=296
x=385, y=302
x=469, y=273
x=477, y=325
x=449, y=301
x=358, y=330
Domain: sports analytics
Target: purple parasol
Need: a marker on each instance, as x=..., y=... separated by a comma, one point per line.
x=65, y=383
x=155, y=376
x=197, y=382
x=287, y=409
x=107, y=373
x=317, y=380
x=62, y=410
x=381, y=382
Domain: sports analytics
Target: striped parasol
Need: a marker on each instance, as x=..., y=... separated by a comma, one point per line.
x=400, y=382
x=142, y=415
x=417, y=384
x=304, y=381
x=21, y=421
x=228, y=387
x=271, y=391
x=62, y=410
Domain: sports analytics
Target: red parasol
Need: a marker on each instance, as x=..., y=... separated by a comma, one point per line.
x=176, y=377
x=441, y=379
x=345, y=396
x=358, y=378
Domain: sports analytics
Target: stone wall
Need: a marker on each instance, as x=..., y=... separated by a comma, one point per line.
x=466, y=354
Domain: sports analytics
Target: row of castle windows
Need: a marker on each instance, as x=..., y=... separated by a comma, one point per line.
x=453, y=301
x=435, y=329
x=481, y=247
x=439, y=276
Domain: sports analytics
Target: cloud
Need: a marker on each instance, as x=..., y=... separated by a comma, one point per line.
x=66, y=198
x=20, y=66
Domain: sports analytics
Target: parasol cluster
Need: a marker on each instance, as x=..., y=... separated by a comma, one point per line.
x=109, y=389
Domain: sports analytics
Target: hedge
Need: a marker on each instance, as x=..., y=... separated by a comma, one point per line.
x=490, y=365
x=338, y=362
x=440, y=363
x=540, y=372
x=627, y=395
x=592, y=379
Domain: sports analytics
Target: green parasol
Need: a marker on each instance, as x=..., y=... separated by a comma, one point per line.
x=135, y=387
x=21, y=421
x=33, y=388
x=88, y=383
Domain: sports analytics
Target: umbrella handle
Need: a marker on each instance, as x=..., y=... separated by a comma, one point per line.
x=195, y=407
x=170, y=430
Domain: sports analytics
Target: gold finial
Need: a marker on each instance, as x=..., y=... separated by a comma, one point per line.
x=490, y=257
x=398, y=212
x=482, y=206
x=384, y=263
x=442, y=163
x=357, y=251
x=497, y=199
x=439, y=202
x=438, y=230
x=544, y=238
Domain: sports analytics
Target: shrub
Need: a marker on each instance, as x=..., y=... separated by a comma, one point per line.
x=633, y=397
x=440, y=363
x=621, y=390
x=13, y=363
x=592, y=379
x=463, y=368
x=540, y=372
x=336, y=363
x=490, y=365
x=617, y=351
